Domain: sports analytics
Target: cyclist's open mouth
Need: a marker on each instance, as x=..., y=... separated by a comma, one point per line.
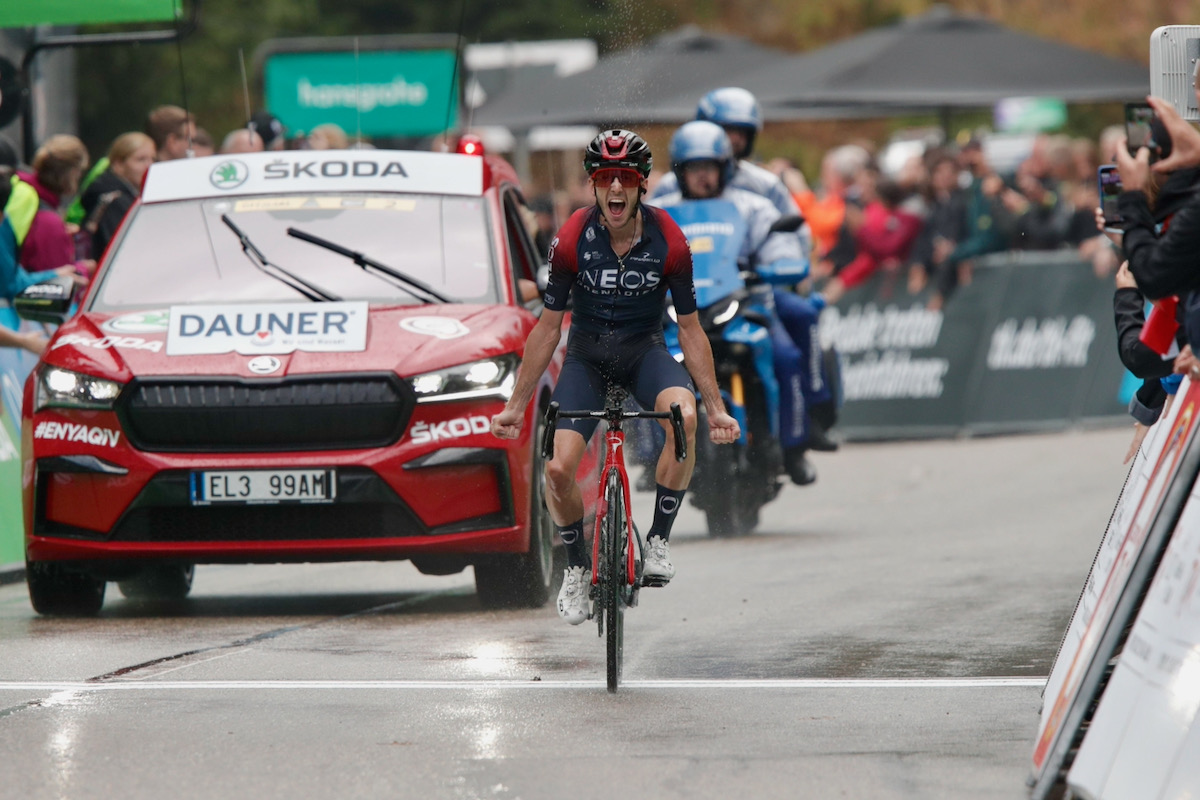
x=616, y=208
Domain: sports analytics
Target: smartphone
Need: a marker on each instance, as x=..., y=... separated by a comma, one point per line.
x=1144, y=129
x=1110, y=190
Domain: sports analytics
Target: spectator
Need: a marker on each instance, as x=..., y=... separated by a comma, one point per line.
x=268, y=126
x=1161, y=266
x=241, y=140
x=945, y=223
x=883, y=238
x=1042, y=218
x=202, y=143
x=111, y=195
x=1110, y=139
x=826, y=213
x=542, y=207
x=173, y=131
x=13, y=278
x=43, y=239
x=987, y=226
x=328, y=137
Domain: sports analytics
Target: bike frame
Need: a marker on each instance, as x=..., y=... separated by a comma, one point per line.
x=614, y=459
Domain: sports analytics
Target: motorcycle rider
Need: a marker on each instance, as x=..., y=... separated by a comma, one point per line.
x=617, y=258
x=737, y=111
x=703, y=163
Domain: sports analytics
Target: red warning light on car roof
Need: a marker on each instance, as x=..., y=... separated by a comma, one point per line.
x=470, y=145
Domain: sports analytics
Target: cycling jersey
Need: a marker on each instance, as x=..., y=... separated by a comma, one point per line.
x=616, y=322
x=612, y=292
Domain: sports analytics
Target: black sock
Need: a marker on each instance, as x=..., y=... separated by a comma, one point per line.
x=577, y=549
x=666, y=503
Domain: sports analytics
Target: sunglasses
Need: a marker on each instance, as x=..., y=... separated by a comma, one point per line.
x=627, y=177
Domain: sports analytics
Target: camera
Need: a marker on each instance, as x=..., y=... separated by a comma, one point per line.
x=1174, y=57
x=1143, y=128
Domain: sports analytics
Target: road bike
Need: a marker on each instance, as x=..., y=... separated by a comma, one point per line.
x=616, y=566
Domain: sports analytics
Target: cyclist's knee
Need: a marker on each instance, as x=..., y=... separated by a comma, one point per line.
x=689, y=420
x=560, y=476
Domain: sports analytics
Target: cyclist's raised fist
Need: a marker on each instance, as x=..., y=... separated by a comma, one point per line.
x=723, y=429
x=507, y=424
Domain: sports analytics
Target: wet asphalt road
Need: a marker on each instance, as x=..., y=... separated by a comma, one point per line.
x=883, y=635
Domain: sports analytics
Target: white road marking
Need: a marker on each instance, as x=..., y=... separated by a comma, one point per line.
x=490, y=685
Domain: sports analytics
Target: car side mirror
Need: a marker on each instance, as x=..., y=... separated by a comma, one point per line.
x=46, y=302
x=787, y=224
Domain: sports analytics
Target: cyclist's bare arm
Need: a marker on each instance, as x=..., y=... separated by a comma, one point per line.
x=539, y=349
x=698, y=358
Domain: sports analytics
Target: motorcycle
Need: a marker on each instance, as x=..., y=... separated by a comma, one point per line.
x=732, y=483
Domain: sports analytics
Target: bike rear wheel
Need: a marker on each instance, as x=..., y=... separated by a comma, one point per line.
x=613, y=533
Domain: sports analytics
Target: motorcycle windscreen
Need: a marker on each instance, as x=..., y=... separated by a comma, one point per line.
x=715, y=232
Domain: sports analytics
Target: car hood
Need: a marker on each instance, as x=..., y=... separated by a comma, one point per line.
x=407, y=340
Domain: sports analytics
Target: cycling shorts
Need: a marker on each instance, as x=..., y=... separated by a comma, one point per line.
x=638, y=361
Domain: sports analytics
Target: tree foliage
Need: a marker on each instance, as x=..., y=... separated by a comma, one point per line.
x=118, y=85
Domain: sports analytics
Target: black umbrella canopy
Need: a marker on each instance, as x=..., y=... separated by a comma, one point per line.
x=942, y=59
x=658, y=82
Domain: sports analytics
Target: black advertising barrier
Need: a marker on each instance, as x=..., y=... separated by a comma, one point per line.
x=1028, y=344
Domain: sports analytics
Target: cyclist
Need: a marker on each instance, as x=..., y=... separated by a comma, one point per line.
x=703, y=163
x=618, y=258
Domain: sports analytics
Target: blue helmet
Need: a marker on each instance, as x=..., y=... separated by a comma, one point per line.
x=701, y=141
x=732, y=107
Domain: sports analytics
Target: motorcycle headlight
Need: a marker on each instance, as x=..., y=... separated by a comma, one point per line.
x=491, y=377
x=62, y=388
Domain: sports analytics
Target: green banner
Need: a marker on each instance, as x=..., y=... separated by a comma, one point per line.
x=28, y=13
x=378, y=92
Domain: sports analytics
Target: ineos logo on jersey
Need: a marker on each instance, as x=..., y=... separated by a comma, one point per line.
x=611, y=279
x=424, y=432
x=334, y=169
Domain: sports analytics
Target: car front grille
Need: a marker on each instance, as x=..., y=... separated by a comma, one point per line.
x=223, y=414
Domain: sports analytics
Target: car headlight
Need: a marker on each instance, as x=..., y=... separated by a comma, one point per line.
x=62, y=388
x=491, y=377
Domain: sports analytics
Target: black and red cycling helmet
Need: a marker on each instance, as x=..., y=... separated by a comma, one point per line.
x=618, y=148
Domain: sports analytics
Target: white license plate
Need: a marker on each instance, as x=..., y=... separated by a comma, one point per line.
x=264, y=486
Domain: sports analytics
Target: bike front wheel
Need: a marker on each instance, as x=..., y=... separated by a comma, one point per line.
x=612, y=533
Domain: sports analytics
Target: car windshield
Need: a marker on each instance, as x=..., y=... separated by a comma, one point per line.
x=180, y=252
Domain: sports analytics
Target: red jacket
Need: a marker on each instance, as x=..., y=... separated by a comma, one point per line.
x=47, y=245
x=885, y=234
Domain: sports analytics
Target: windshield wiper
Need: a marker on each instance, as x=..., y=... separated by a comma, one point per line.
x=289, y=279
x=399, y=279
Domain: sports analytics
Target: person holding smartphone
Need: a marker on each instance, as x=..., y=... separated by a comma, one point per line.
x=1162, y=265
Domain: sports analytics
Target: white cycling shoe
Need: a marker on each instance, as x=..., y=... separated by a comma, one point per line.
x=573, y=605
x=657, y=569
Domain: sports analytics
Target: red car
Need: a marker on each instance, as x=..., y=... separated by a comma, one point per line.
x=290, y=357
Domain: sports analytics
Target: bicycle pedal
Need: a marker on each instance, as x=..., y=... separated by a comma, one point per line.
x=654, y=583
